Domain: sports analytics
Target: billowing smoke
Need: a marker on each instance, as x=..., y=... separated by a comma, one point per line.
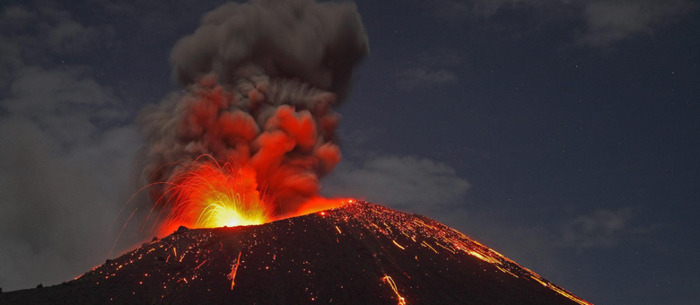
x=261, y=80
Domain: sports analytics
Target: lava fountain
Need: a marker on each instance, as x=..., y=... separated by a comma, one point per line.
x=209, y=195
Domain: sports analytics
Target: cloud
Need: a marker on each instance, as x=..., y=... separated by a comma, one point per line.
x=45, y=30
x=65, y=153
x=461, y=10
x=603, y=22
x=611, y=21
x=404, y=182
x=57, y=207
x=65, y=103
x=429, y=69
x=422, y=77
x=602, y=228
x=479, y=8
x=69, y=37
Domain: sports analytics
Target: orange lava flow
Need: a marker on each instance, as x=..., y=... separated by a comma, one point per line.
x=390, y=281
x=234, y=269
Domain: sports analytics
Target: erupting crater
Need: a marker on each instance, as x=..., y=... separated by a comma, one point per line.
x=208, y=195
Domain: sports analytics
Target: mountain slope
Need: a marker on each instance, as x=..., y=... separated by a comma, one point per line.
x=360, y=253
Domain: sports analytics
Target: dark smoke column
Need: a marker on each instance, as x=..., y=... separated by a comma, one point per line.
x=261, y=79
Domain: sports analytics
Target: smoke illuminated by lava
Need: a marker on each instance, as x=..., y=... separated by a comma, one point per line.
x=249, y=138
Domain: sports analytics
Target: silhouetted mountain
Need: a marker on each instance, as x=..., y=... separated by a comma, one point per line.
x=360, y=253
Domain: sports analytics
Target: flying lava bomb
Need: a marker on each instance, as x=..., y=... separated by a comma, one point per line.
x=233, y=164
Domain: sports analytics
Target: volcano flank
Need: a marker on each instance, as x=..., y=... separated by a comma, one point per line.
x=360, y=253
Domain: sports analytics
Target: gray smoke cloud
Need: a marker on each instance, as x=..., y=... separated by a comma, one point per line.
x=317, y=43
x=261, y=79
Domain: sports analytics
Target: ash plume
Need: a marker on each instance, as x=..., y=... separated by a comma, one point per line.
x=260, y=80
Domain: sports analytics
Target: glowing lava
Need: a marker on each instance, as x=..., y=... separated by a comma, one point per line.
x=226, y=209
x=209, y=195
x=388, y=279
x=234, y=270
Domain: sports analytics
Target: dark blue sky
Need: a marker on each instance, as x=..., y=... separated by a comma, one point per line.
x=579, y=154
x=560, y=133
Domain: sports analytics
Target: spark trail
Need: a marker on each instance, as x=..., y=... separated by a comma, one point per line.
x=234, y=270
x=390, y=281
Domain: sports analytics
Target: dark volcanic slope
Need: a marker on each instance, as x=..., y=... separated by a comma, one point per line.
x=358, y=254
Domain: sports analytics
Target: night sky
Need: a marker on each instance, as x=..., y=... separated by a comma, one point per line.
x=560, y=133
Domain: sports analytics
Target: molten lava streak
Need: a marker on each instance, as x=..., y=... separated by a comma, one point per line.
x=390, y=281
x=234, y=269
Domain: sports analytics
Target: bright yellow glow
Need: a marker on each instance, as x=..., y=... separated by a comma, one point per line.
x=484, y=258
x=230, y=210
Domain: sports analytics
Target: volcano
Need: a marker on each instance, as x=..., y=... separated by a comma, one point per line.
x=359, y=253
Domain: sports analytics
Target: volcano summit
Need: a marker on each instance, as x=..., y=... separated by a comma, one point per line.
x=360, y=253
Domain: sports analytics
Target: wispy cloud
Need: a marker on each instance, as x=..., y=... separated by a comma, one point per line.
x=419, y=77
x=404, y=182
x=429, y=69
x=601, y=228
x=603, y=22
x=611, y=21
